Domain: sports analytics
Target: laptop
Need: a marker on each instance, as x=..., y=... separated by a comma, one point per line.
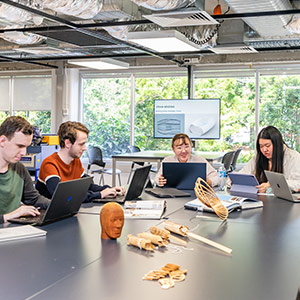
x=280, y=187
x=135, y=188
x=183, y=176
x=65, y=202
x=166, y=192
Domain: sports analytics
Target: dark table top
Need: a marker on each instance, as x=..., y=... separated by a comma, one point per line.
x=72, y=262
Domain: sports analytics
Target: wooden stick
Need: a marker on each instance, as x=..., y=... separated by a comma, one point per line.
x=178, y=240
x=209, y=242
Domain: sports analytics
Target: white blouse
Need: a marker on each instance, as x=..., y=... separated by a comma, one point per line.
x=291, y=168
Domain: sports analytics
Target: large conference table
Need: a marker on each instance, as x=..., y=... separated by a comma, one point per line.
x=156, y=157
x=72, y=262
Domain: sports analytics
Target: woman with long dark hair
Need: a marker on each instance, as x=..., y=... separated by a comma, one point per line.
x=272, y=154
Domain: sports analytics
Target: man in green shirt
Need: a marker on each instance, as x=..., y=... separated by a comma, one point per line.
x=18, y=197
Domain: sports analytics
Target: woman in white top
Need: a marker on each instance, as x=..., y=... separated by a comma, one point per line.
x=272, y=154
x=182, y=148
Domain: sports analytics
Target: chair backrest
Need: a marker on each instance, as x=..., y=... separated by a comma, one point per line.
x=133, y=149
x=95, y=156
x=227, y=160
x=235, y=158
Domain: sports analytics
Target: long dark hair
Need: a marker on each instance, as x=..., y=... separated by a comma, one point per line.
x=273, y=134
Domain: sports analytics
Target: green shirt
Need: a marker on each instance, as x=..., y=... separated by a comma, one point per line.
x=15, y=187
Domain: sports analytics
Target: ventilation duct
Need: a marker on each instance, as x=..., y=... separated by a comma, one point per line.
x=14, y=15
x=21, y=38
x=84, y=9
x=266, y=26
x=164, y=4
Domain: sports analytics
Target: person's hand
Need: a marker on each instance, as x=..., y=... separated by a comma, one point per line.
x=209, y=181
x=162, y=180
x=262, y=188
x=108, y=193
x=120, y=190
x=23, y=210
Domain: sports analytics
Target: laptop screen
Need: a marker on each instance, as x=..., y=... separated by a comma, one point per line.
x=183, y=175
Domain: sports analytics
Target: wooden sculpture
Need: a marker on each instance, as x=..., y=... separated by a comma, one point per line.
x=155, y=239
x=184, y=231
x=140, y=242
x=166, y=235
x=209, y=198
x=111, y=220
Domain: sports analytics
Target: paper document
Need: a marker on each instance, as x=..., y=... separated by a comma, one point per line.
x=20, y=232
x=144, y=209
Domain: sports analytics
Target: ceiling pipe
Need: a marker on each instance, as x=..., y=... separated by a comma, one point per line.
x=145, y=22
x=87, y=32
x=8, y=59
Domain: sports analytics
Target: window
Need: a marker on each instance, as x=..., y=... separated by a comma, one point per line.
x=107, y=113
x=280, y=106
x=147, y=90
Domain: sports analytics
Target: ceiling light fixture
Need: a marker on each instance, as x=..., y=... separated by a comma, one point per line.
x=100, y=63
x=163, y=41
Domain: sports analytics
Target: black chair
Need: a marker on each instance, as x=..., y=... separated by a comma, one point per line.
x=134, y=149
x=235, y=158
x=95, y=158
x=227, y=160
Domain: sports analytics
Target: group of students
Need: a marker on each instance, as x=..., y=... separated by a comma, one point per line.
x=16, y=186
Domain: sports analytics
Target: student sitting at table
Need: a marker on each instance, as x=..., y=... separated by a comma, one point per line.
x=66, y=165
x=16, y=186
x=272, y=154
x=182, y=148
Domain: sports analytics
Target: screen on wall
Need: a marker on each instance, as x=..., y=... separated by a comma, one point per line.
x=199, y=119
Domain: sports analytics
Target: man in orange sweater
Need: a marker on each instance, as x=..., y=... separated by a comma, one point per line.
x=66, y=165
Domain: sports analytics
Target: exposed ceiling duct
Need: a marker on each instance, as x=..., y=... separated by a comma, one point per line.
x=271, y=26
x=21, y=38
x=84, y=9
x=164, y=4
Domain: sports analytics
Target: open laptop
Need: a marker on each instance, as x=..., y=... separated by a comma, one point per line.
x=280, y=187
x=135, y=188
x=65, y=202
x=166, y=192
x=183, y=176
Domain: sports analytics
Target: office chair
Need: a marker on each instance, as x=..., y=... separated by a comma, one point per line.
x=227, y=160
x=235, y=158
x=134, y=149
x=95, y=158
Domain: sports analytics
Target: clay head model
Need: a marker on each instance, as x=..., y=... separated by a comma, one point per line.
x=111, y=220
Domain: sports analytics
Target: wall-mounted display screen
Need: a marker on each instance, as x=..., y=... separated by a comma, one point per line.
x=198, y=118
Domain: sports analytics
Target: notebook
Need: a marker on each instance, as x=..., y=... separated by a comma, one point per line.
x=65, y=202
x=280, y=187
x=243, y=183
x=183, y=175
x=135, y=188
x=166, y=192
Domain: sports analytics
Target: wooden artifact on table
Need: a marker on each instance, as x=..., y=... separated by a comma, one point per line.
x=111, y=220
x=155, y=239
x=209, y=198
x=140, y=242
x=166, y=235
x=166, y=275
x=184, y=231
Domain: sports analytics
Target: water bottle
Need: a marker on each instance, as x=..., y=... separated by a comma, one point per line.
x=222, y=176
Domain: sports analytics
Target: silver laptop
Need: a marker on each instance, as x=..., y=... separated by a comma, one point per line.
x=280, y=187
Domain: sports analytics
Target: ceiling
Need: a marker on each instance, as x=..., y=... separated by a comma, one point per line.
x=37, y=34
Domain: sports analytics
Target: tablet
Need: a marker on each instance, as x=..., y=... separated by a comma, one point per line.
x=243, y=183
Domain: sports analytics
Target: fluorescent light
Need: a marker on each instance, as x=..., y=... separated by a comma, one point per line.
x=163, y=41
x=100, y=63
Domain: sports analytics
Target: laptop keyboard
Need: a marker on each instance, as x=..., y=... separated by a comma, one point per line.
x=31, y=219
